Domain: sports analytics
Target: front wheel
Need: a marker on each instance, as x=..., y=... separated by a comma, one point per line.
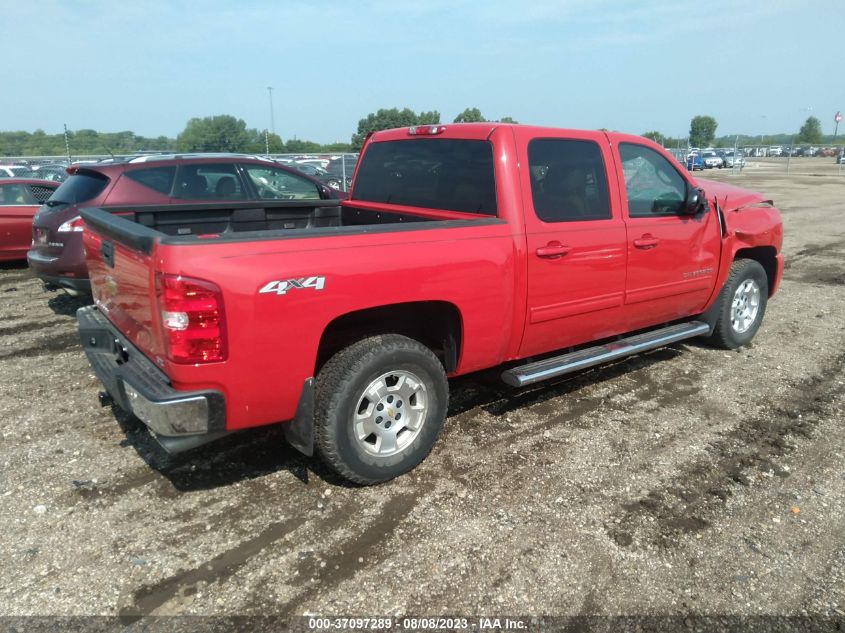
x=742, y=304
x=380, y=404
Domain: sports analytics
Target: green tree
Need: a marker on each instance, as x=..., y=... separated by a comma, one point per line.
x=297, y=146
x=337, y=147
x=507, y=119
x=811, y=131
x=386, y=119
x=470, y=115
x=221, y=133
x=702, y=130
x=655, y=136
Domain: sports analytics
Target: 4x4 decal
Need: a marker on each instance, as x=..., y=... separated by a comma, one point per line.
x=281, y=287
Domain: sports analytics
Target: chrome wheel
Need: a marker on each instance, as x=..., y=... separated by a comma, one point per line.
x=745, y=306
x=390, y=413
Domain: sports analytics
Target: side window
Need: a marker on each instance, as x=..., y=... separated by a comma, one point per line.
x=277, y=184
x=158, y=179
x=653, y=185
x=13, y=194
x=568, y=182
x=209, y=181
x=41, y=193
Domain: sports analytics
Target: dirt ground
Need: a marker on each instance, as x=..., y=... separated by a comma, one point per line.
x=687, y=480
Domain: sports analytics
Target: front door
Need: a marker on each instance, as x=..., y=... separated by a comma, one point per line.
x=575, y=237
x=672, y=257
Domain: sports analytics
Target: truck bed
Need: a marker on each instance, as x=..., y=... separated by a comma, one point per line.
x=138, y=226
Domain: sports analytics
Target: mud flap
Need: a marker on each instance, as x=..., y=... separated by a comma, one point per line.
x=299, y=432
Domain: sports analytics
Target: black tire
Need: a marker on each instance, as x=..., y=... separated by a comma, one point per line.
x=342, y=383
x=729, y=334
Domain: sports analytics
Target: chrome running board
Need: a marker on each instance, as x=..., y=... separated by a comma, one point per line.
x=591, y=356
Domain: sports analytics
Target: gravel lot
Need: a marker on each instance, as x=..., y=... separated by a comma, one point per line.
x=687, y=480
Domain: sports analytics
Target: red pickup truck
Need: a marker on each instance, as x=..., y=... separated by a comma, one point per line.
x=462, y=247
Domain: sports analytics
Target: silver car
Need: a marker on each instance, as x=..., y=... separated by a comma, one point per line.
x=734, y=159
x=711, y=160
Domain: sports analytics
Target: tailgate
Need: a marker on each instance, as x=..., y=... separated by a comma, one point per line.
x=120, y=259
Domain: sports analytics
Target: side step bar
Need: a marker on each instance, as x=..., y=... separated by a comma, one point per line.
x=567, y=363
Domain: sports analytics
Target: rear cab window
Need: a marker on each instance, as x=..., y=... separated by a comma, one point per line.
x=442, y=174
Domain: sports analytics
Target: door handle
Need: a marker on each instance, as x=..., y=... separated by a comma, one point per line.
x=553, y=250
x=646, y=241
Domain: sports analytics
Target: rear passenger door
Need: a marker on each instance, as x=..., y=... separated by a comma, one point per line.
x=209, y=182
x=575, y=237
x=672, y=256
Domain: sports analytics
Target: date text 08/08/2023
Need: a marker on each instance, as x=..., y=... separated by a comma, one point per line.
x=419, y=624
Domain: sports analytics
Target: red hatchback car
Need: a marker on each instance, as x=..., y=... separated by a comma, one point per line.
x=56, y=256
x=19, y=200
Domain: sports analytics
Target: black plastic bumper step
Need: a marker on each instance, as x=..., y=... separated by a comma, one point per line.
x=567, y=363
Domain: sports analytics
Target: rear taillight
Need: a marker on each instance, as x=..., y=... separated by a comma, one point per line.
x=193, y=319
x=74, y=225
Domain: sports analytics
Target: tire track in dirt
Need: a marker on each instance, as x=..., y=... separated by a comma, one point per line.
x=573, y=402
x=14, y=278
x=30, y=327
x=217, y=570
x=812, y=251
x=343, y=561
x=691, y=500
x=67, y=342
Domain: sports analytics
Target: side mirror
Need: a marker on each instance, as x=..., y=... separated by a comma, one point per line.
x=693, y=203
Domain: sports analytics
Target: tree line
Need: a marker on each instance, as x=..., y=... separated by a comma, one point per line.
x=226, y=133
x=702, y=133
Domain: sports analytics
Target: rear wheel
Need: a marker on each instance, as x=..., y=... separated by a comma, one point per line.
x=742, y=304
x=380, y=404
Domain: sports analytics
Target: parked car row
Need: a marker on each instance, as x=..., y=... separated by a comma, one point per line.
x=713, y=159
x=782, y=151
x=55, y=172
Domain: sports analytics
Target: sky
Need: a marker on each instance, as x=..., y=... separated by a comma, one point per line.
x=756, y=66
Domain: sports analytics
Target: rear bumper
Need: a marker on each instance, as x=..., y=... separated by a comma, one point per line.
x=180, y=420
x=61, y=264
x=59, y=271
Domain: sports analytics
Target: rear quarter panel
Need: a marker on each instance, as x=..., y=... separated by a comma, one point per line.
x=273, y=339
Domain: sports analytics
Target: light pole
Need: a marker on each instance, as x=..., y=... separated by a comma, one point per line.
x=67, y=145
x=272, y=116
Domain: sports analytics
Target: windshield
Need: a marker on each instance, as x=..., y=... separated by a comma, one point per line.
x=447, y=174
x=82, y=186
